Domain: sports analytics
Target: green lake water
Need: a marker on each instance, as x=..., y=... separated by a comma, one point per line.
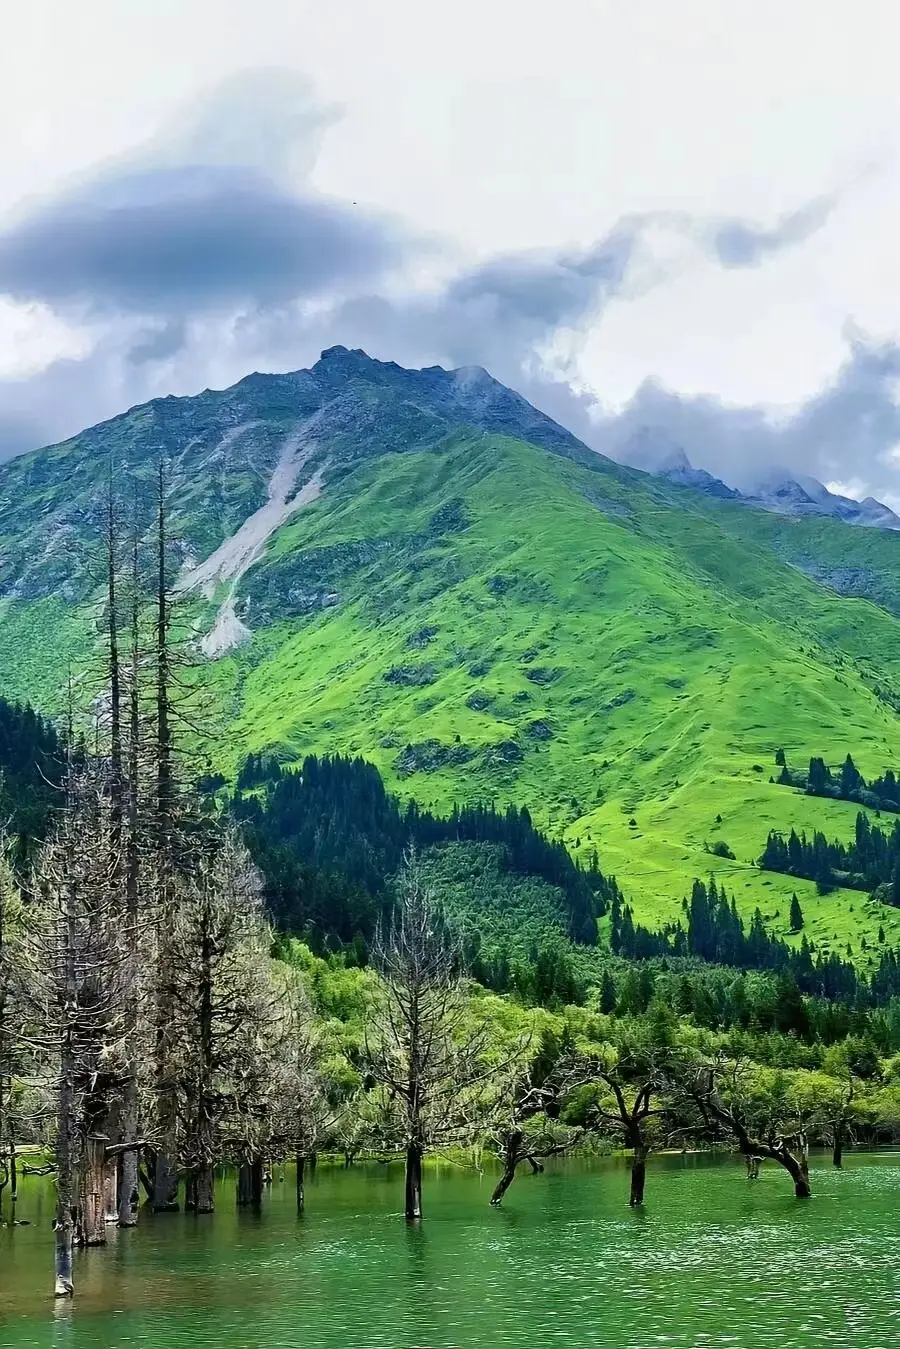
x=713, y=1260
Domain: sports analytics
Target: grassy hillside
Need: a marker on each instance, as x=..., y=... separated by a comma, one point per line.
x=504, y=630
x=487, y=619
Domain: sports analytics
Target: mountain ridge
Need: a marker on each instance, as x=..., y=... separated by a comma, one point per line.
x=775, y=489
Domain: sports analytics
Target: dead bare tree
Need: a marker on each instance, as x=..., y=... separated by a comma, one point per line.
x=13, y=981
x=424, y=1053
x=227, y=1023
x=80, y=1005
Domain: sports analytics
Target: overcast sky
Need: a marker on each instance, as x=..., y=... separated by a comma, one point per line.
x=680, y=214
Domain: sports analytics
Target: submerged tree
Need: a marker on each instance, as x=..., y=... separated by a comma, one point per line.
x=528, y=1127
x=754, y=1109
x=226, y=1022
x=14, y=978
x=80, y=1001
x=631, y=1095
x=424, y=1053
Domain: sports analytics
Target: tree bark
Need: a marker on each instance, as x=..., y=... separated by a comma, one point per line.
x=92, y=1225
x=414, y=1182
x=638, y=1177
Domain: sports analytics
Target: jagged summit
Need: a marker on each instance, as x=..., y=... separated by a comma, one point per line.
x=773, y=488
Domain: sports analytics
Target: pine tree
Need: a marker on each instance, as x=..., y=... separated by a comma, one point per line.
x=796, y=914
x=607, y=994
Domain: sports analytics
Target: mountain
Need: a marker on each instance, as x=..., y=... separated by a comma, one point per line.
x=802, y=495
x=419, y=568
x=651, y=452
x=774, y=490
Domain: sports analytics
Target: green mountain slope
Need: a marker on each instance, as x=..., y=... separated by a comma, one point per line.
x=488, y=617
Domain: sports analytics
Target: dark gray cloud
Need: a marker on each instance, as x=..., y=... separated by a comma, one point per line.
x=188, y=239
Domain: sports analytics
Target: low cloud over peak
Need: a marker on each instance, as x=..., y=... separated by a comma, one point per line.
x=208, y=251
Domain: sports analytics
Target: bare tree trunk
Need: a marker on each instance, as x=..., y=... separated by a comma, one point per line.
x=511, y=1159
x=65, y=1184
x=93, y=1192
x=414, y=1182
x=752, y=1167
x=799, y=1175
x=205, y=1189
x=837, y=1152
x=165, y=1179
x=301, y=1198
x=638, y=1176
x=111, y=1190
x=250, y=1183
x=66, y=1105
x=129, y=1184
x=129, y=1196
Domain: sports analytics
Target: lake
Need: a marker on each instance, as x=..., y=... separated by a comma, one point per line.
x=712, y=1260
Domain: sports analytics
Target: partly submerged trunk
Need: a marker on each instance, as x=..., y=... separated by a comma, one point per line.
x=111, y=1190
x=250, y=1184
x=796, y=1167
x=65, y=1240
x=65, y=1192
x=512, y=1155
x=837, y=1153
x=753, y=1164
x=413, y=1182
x=638, y=1176
x=205, y=1189
x=165, y=1176
x=92, y=1227
x=301, y=1197
x=129, y=1196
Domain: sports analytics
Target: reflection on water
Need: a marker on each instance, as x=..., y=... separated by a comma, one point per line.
x=712, y=1261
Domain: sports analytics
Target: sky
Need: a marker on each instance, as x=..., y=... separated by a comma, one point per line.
x=675, y=219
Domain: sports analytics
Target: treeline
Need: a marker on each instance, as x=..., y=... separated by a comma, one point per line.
x=871, y=862
x=843, y=784
x=329, y=838
x=714, y=931
x=30, y=774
